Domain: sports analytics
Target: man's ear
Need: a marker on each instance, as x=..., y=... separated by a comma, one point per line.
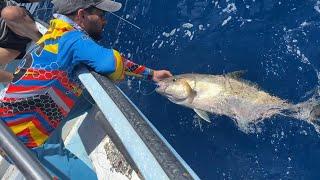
x=81, y=14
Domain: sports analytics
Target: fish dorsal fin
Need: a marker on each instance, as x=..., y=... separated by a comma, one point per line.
x=236, y=74
x=203, y=114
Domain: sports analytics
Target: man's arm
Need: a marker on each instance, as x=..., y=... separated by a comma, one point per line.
x=123, y=66
x=110, y=62
x=133, y=69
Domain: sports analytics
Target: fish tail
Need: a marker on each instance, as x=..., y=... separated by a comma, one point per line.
x=315, y=113
x=308, y=111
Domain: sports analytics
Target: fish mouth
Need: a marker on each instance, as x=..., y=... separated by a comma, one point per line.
x=170, y=97
x=161, y=89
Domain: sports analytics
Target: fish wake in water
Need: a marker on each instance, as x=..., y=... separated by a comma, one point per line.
x=233, y=97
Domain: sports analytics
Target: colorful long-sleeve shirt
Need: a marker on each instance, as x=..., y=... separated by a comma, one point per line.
x=45, y=87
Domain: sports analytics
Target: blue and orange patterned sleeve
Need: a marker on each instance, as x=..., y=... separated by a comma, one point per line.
x=134, y=69
x=123, y=67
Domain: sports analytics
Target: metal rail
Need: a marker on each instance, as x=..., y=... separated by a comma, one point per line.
x=143, y=146
x=27, y=163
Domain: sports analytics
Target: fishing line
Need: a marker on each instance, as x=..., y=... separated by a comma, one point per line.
x=139, y=28
x=88, y=100
x=121, y=18
x=128, y=22
x=145, y=94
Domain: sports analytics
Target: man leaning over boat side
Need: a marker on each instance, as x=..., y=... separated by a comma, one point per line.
x=17, y=29
x=45, y=87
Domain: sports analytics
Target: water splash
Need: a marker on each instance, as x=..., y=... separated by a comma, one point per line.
x=307, y=111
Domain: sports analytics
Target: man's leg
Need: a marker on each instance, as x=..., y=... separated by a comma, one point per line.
x=20, y=22
x=20, y=29
x=6, y=55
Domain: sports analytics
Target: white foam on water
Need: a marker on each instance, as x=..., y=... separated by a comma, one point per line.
x=154, y=43
x=160, y=45
x=216, y=3
x=292, y=46
x=187, y=25
x=226, y=21
x=304, y=24
x=187, y=33
x=201, y=27
x=231, y=8
x=317, y=6
x=173, y=31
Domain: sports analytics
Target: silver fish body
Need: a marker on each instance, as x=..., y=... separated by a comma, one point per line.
x=222, y=95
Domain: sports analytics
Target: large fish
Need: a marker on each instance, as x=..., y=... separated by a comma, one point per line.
x=231, y=96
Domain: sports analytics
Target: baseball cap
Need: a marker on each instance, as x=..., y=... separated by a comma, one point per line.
x=69, y=6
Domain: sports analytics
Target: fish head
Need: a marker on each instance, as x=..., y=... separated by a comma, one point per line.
x=176, y=89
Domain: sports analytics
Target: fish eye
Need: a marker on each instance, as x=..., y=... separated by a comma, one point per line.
x=174, y=80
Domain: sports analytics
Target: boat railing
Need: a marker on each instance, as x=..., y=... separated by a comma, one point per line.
x=26, y=162
x=142, y=145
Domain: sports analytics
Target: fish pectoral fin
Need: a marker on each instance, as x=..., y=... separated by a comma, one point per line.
x=192, y=95
x=236, y=74
x=203, y=114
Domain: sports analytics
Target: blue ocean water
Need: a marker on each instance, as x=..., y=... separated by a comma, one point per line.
x=276, y=41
